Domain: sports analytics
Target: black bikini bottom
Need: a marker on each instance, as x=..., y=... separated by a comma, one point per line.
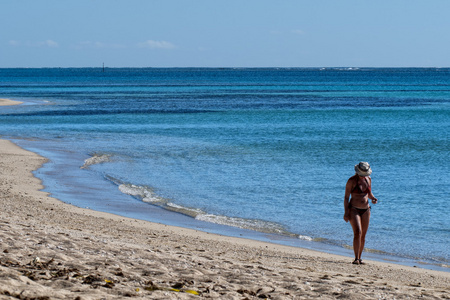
x=361, y=211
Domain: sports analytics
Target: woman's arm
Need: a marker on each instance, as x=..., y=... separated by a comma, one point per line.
x=371, y=196
x=348, y=189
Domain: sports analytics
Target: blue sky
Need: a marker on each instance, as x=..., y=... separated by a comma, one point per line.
x=216, y=33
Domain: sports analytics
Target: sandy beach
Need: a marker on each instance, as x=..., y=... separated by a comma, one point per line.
x=52, y=250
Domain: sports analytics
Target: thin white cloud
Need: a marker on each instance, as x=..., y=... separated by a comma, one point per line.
x=151, y=44
x=97, y=45
x=46, y=43
x=14, y=43
x=50, y=43
x=298, y=31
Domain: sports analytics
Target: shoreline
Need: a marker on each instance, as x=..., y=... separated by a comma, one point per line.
x=53, y=249
x=118, y=205
x=56, y=250
x=154, y=213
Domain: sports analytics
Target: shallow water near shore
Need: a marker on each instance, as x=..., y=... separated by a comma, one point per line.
x=102, y=197
x=265, y=151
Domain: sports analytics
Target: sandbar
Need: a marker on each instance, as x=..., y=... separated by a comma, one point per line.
x=7, y=102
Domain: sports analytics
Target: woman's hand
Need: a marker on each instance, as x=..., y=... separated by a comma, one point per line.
x=346, y=217
x=374, y=200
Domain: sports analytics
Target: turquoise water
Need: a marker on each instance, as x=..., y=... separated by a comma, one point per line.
x=266, y=150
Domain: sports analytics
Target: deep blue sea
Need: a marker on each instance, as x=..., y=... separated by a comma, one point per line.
x=265, y=152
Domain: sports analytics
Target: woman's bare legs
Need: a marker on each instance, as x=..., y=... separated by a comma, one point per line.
x=365, y=219
x=360, y=225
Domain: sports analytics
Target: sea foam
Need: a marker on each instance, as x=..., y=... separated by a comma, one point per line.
x=96, y=159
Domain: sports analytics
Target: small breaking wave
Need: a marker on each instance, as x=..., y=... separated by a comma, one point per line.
x=252, y=224
x=96, y=158
x=143, y=193
x=147, y=194
x=305, y=237
x=192, y=212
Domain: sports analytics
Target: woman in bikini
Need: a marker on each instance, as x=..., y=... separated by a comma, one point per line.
x=358, y=191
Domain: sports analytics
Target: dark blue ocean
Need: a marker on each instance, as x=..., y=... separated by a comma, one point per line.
x=265, y=152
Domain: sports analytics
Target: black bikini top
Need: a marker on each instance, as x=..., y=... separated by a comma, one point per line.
x=358, y=188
